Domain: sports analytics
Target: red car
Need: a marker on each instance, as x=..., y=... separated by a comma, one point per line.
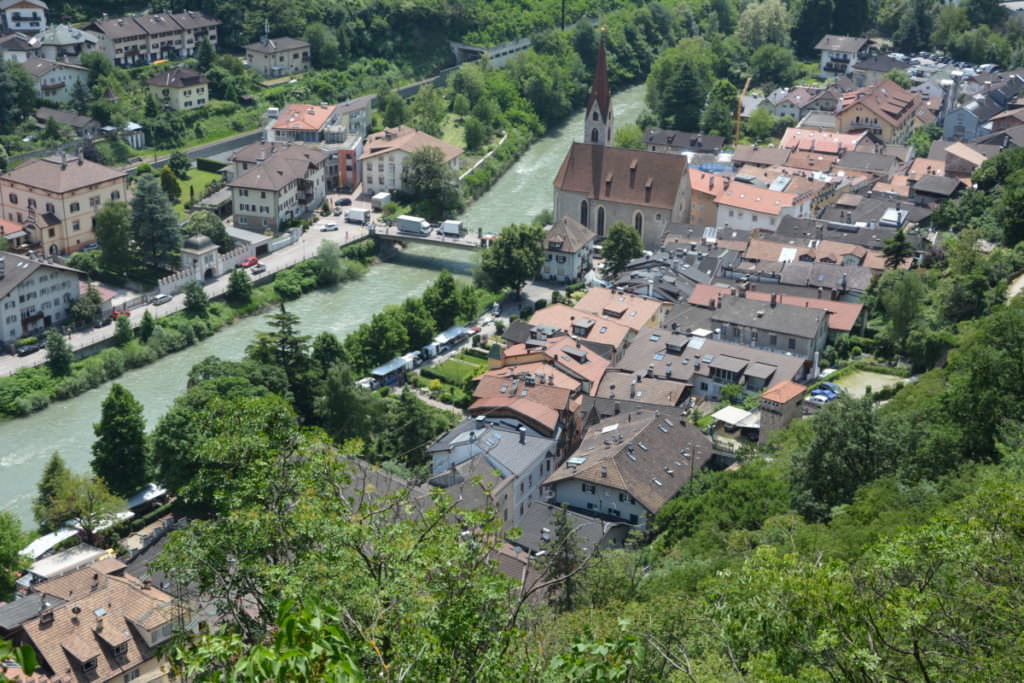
x=117, y=314
x=248, y=262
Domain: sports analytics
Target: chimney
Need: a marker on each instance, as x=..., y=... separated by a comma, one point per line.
x=522, y=435
x=618, y=408
x=774, y=300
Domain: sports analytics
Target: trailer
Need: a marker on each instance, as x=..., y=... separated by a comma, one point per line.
x=413, y=224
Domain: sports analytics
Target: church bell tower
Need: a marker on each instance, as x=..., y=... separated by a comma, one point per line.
x=598, y=125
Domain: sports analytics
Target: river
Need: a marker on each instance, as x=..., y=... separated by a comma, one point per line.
x=26, y=443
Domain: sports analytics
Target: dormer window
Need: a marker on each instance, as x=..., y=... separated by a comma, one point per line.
x=121, y=651
x=89, y=665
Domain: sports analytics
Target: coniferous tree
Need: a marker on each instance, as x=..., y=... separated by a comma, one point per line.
x=119, y=452
x=239, y=286
x=205, y=55
x=123, y=330
x=196, y=302
x=562, y=559
x=154, y=220
x=147, y=326
x=897, y=250
x=54, y=475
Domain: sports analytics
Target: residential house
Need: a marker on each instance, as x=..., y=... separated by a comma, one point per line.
x=880, y=165
x=693, y=355
x=24, y=16
x=819, y=120
x=1010, y=137
x=180, y=89
x=568, y=247
x=842, y=315
x=55, y=81
x=83, y=126
x=801, y=100
x=146, y=38
x=563, y=353
x=873, y=69
x=633, y=311
x=759, y=156
x=56, y=199
x=842, y=283
x=704, y=190
x=932, y=189
x=780, y=405
x=305, y=122
x=676, y=142
x=839, y=54
x=780, y=328
x=521, y=457
x=16, y=47
x=335, y=129
x=1007, y=119
x=385, y=153
x=276, y=57
x=651, y=392
x=64, y=43
x=884, y=109
x=606, y=337
x=820, y=142
x=34, y=295
x=748, y=207
x=536, y=530
x=288, y=183
x=107, y=630
x=629, y=466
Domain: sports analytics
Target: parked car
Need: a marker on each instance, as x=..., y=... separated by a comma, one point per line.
x=258, y=268
x=29, y=349
x=117, y=314
x=343, y=201
x=160, y=299
x=833, y=387
x=102, y=322
x=329, y=227
x=338, y=211
x=248, y=262
x=92, y=246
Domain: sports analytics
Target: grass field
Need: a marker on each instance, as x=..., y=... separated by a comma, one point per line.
x=196, y=179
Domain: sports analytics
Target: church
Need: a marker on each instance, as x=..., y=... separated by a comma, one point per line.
x=599, y=184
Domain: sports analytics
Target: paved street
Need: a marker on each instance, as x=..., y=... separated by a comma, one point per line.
x=305, y=248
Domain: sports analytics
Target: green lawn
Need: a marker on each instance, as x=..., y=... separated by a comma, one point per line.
x=454, y=372
x=196, y=179
x=453, y=132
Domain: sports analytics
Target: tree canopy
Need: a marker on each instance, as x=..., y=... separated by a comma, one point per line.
x=514, y=258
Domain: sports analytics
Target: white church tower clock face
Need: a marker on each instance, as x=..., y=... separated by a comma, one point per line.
x=598, y=127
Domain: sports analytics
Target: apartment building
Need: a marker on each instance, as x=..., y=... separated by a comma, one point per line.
x=55, y=81
x=33, y=295
x=24, y=16
x=56, y=199
x=289, y=182
x=129, y=41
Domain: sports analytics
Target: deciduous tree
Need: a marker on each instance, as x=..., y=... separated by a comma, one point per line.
x=83, y=500
x=119, y=452
x=207, y=223
x=197, y=303
x=629, y=136
x=621, y=246
x=113, y=226
x=431, y=184
x=514, y=258
x=86, y=308
x=58, y=353
x=169, y=183
x=123, y=330
x=678, y=84
x=239, y=286
x=719, y=114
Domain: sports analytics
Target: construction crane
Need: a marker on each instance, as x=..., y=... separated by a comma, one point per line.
x=739, y=110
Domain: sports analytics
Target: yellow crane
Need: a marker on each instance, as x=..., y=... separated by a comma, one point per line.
x=739, y=110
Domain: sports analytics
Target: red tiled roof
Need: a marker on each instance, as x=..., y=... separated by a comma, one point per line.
x=531, y=411
x=708, y=183
x=784, y=392
x=758, y=199
x=563, y=317
x=636, y=311
x=824, y=142
x=305, y=117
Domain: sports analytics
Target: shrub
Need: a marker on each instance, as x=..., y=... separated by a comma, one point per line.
x=541, y=303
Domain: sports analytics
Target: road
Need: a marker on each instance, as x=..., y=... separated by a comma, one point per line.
x=301, y=250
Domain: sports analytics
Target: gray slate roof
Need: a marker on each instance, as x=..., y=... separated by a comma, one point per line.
x=795, y=321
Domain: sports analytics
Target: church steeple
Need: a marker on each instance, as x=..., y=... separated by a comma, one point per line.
x=598, y=125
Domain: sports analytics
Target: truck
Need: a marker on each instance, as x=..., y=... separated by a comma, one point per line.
x=359, y=216
x=413, y=224
x=451, y=228
x=378, y=200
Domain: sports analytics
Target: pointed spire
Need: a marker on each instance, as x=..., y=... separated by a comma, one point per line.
x=599, y=91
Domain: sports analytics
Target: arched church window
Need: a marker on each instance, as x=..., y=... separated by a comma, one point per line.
x=593, y=135
x=600, y=221
x=584, y=212
x=638, y=222
x=595, y=115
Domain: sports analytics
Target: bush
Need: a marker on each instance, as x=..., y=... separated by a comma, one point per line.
x=499, y=326
x=209, y=165
x=541, y=303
